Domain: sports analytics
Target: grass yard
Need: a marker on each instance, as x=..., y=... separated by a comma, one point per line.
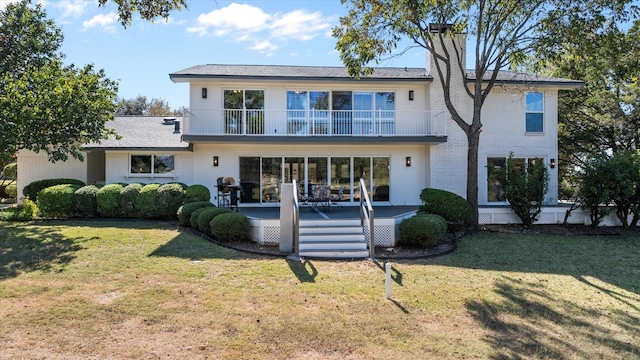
x=145, y=290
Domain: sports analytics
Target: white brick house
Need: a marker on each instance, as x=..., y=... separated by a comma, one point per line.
x=265, y=125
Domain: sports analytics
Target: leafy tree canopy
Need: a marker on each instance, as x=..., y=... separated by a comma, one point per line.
x=141, y=106
x=148, y=9
x=45, y=105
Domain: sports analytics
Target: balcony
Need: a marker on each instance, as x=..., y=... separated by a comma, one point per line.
x=319, y=125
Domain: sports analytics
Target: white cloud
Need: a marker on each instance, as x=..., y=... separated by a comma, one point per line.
x=235, y=18
x=71, y=8
x=104, y=22
x=243, y=22
x=4, y=3
x=299, y=25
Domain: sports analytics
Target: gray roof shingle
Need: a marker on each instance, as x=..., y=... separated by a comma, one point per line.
x=335, y=73
x=142, y=133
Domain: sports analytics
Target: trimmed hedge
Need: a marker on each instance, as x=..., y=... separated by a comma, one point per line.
x=230, y=227
x=11, y=190
x=195, y=193
x=11, y=171
x=127, y=199
x=31, y=191
x=85, y=201
x=208, y=214
x=185, y=211
x=452, y=207
x=424, y=230
x=146, y=201
x=193, y=220
x=57, y=201
x=108, y=197
x=169, y=199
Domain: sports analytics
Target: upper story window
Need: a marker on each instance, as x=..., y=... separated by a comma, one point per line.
x=244, y=111
x=535, y=111
x=152, y=164
x=340, y=112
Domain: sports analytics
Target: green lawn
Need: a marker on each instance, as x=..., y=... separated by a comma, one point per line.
x=136, y=289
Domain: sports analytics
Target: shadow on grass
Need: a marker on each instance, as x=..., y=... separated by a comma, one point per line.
x=303, y=270
x=612, y=259
x=524, y=322
x=33, y=248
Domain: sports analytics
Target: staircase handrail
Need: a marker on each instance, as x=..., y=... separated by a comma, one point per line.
x=296, y=220
x=366, y=215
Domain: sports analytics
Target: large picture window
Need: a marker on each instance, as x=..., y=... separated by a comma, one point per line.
x=152, y=164
x=495, y=191
x=535, y=111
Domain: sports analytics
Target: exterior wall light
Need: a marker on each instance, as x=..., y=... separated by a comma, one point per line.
x=410, y=94
x=552, y=163
x=204, y=93
x=408, y=161
x=215, y=161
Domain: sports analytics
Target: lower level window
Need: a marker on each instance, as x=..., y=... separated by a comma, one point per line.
x=495, y=191
x=152, y=164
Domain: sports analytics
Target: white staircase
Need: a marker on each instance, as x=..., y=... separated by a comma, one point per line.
x=332, y=239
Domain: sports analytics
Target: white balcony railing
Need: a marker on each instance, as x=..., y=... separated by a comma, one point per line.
x=314, y=123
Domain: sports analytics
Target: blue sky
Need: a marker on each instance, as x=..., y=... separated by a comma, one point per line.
x=140, y=57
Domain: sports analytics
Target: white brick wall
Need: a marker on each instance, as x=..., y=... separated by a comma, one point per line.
x=117, y=169
x=32, y=167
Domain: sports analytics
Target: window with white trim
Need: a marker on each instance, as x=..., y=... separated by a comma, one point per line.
x=495, y=191
x=535, y=112
x=152, y=164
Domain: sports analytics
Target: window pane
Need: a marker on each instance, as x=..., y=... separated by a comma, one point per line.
x=296, y=100
x=494, y=188
x=233, y=99
x=141, y=164
x=380, y=179
x=534, y=101
x=250, y=179
x=163, y=164
x=297, y=112
x=341, y=176
x=319, y=100
x=271, y=179
x=385, y=101
x=362, y=101
x=254, y=99
x=342, y=105
x=534, y=122
x=361, y=169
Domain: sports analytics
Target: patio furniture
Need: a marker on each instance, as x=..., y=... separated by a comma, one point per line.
x=320, y=194
x=228, y=192
x=334, y=199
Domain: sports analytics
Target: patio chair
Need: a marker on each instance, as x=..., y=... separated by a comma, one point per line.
x=334, y=199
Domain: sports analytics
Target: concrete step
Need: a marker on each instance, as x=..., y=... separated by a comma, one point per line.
x=332, y=222
x=343, y=229
x=331, y=237
x=342, y=245
x=335, y=254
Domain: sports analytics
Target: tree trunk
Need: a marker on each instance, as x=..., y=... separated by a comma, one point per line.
x=473, y=139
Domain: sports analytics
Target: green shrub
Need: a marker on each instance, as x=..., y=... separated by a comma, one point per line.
x=182, y=185
x=452, y=207
x=127, y=199
x=424, y=230
x=31, y=191
x=57, y=201
x=108, y=197
x=230, y=227
x=85, y=201
x=208, y=214
x=169, y=199
x=26, y=212
x=12, y=190
x=185, y=211
x=525, y=186
x=145, y=203
x=196, y=193
x=193, y=220
x=11, y=171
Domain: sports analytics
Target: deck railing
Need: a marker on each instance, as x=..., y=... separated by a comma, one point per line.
x=366, y=217
x=248, y=122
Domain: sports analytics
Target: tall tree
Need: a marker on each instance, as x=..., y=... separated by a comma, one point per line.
x=501, y=33
x=45, y=105
x=141, y=106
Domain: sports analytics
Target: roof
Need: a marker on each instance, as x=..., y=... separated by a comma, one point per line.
x=335, y=73
x=285, y=72
x=512, y=77
x=143, y=133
